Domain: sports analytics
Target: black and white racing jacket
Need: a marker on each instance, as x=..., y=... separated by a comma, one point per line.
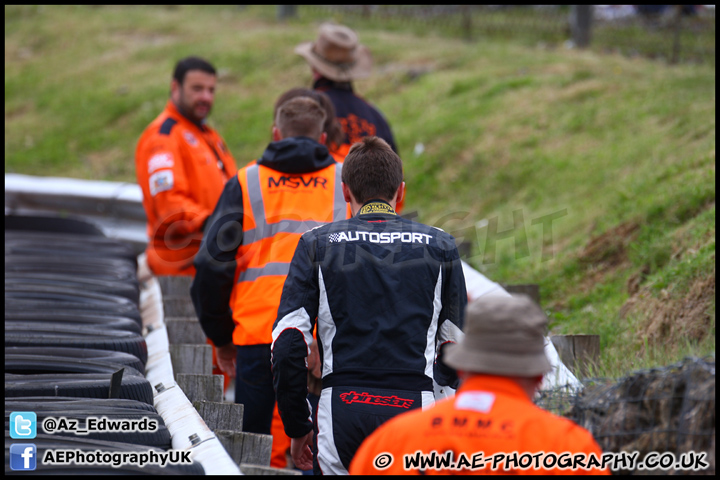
x=386, y=293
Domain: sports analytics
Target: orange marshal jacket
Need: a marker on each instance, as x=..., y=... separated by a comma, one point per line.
x=488, y=414
x=252, y=235
x=181, y=168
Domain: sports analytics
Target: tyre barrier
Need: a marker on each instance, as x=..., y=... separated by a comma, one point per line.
x=79, y=321
x=47, y=364
x=70, y=404
x=91, y=354
x=86, y=385
x=50, y=224
x=55, y=298
x=69, y=243
x=87, y=267
x=57, y=335
x=72, y=322
x=32, y=279
x=19, y=247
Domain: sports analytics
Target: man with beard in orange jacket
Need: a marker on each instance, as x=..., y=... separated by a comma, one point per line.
x=182, y=165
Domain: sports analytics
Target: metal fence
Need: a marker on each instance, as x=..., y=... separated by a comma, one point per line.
x=668, y=409
x=677, y=34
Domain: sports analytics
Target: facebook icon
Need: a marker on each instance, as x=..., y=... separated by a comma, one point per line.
x=23, y=456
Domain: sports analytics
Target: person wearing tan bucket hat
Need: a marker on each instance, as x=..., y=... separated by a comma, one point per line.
x=501, y=362
x=337, y=58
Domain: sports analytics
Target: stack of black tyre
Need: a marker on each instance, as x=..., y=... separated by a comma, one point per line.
x=73, y=342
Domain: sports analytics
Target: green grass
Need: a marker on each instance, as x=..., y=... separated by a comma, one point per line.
x=516, y=138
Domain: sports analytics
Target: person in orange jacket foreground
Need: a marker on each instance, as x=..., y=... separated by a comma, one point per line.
x=182, y=165
x=251, y=237
x=501, y=362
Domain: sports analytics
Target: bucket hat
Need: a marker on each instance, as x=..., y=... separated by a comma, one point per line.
x=337, y=54
x=503, y=336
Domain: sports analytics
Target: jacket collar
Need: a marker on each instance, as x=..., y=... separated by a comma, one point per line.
x=296, y=155
x=493, y=384
x=174, y=111
x=323, y=83
x=376, y=208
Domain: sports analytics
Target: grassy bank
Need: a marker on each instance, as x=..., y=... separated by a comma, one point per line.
x=592, y=175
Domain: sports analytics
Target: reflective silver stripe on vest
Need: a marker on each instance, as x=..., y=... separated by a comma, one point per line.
x=264, y=230
x=276, y=268
x=340, y=207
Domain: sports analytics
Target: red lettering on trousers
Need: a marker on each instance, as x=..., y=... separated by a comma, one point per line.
x=364, y=397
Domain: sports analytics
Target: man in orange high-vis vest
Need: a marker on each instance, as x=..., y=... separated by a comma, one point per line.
x=251, y=238
x=181, y=165
x=492, y=418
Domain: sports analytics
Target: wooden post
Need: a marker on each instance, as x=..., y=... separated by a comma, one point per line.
x=175, y=285
x=184, y=330
x=675, y=54
x=201, y=387
x=221, y=416
x=578, y=352
x=532, y=290
x=466, y=22
x=176, y=296
x=286, y=11
x=178, y=306
x=581, y=24
x=248, y=469
x=191, y=359
x=245, y=447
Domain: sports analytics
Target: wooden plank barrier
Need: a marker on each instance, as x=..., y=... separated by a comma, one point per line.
x=578, y=352
x=187, y=358
x=176, y=296
x=248, y=469
x=175, y=285
x=201, y=387
x=245, y=447
x=184, y=330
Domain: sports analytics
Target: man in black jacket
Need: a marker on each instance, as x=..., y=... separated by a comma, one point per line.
x=388, y=293
x=337, y=58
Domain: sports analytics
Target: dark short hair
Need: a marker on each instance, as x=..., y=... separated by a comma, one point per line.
x=300, y=116
x=335, y=134
x=191, y=63
x=372, y=170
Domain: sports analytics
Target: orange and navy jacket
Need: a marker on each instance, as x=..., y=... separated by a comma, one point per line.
x=358, y=119
x=181, y=168
x=488, y=414
x=252, y=235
